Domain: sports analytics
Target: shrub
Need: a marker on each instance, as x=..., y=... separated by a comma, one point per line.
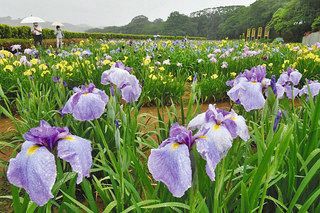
x=24, y=32
x=316, y=24
x=48, y=33
x=5, y=31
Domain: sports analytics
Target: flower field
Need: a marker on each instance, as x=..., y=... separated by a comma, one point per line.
x=86, y=139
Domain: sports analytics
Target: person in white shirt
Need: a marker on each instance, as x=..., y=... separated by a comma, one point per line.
x=37, y=34
x=59, y=35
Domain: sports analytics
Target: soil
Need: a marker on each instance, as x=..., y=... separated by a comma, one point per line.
x=148, y=117
x=7, y=130
x=6, y=126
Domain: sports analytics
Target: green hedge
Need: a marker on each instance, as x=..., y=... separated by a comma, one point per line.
x=27, y=43
x=23, y=32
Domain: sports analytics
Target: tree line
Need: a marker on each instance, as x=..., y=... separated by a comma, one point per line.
x=289, y=19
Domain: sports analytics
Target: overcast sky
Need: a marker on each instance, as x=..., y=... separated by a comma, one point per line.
x=105, y=12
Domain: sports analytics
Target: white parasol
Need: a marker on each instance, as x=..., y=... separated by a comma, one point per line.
x=56, y=23
x=32, y=19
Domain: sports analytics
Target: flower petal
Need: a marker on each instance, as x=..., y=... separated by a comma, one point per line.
x=220, y=136
x=242, y=128
x=314, y=89
x=295, y=77
x=90, y=106
x=251, y=96
x=291, y=91
x=210, y=153
x=233, y=93
x=77, y=152
x=197, y=121
x=131, y=93
x=68, y=107
x=172, y=166
x=115, y=76
x=34, y=170
x=232, y=127
x=280, y=90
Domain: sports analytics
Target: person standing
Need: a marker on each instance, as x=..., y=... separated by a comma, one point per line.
x=37, y=34
x=59, y=35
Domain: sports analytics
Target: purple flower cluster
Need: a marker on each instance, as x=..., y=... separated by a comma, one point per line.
x=170, y=163
x=32, y=52
x=119, y=75
x=313, y=86
x=24, y=61
x=287, y=82
x=34, y=167
x=250, y=87
x=249, y=53
x=87, y=103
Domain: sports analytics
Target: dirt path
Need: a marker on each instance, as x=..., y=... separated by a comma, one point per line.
x=6, y=125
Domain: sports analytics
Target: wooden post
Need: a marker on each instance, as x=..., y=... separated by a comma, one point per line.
x=259, y=36
x=248, y=34
x=253, y=33
x=266, y=32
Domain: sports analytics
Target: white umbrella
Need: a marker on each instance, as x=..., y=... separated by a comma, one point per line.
x=32, y=19
x=57, y=24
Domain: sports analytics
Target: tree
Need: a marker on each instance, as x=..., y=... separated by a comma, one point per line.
x=179, y=24
x=295, y=18
x=287, y=18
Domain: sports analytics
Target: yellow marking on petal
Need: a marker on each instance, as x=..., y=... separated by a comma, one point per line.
x=69, y=138
x=234, y=118
x=175, y=146
x=216, y=127
x=203, y=137
x=32, y=149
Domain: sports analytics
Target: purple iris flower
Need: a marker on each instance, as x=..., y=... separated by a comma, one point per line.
x=16, y=47
x=24, y=61
x=170, y=163
x=249, y=53
x=33, y=52
x=34, y=167
x=248, y=88
x=87, y=103
x=194, y=78
x=277, y=120
x=64, y=83
x=221, y=128
x=56, y=79
x=230, y=83
x=286, y=83
x=314, y=87
x=28, y=51
x=273, y=84
x=120, y=65
x=127, y=83
x=86, y=53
